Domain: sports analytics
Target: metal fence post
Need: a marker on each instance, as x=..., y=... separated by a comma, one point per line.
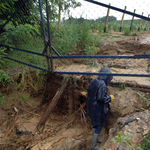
x=44, y=35
x=49, y=35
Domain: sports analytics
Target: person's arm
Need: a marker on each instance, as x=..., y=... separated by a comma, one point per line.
x=102, y=96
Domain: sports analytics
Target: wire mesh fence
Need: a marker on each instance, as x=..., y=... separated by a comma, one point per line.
x=86, y=28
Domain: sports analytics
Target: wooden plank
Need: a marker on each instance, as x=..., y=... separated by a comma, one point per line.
x=52, y=104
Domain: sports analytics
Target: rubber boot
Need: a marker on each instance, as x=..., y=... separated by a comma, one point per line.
x=98, y=140
x=94, y=142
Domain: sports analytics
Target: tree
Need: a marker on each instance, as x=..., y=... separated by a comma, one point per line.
x=25, y=15
x=103, y=19
x=64, y=5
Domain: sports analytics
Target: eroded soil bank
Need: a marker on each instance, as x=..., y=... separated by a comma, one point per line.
x=67, y=127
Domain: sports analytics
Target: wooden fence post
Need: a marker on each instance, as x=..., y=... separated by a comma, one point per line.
x=122, y=19
x=106, y=19
x=146, y=23
x=140, y=22
x=132, y=20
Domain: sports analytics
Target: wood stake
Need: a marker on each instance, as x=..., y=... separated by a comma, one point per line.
x=146, y=23
x=122, y=19
x=140, y=22
x=107, y=19
x=52, y=104
x=132, y=20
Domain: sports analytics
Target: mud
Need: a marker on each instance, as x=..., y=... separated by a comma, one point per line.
x=67, y=127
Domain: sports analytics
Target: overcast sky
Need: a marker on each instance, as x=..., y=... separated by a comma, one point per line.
x=92, y=11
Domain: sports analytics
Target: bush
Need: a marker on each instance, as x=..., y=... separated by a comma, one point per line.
x=115, y=27
x=90, y=50
x=65, y=39
x=4, y=78
x=126, y=31
x=14, y=34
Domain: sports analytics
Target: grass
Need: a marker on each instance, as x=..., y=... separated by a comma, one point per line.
x=92, y=64
x=146, y=143
x=65, y=39
x=106, y=35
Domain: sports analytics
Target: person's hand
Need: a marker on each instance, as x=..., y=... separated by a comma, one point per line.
x=112, y=98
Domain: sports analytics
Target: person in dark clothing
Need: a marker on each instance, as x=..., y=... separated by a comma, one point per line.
x=97, y=104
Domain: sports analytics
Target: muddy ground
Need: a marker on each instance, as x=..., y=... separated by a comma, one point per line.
x=67, y=127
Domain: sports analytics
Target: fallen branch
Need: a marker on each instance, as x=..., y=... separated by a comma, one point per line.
x=52, y=104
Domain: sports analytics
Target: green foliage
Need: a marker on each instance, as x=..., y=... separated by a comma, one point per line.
x=87, y=38
x=4, y=78
x=27, y=13
x=101, y=28
x=90, y=50
x=15, y=34
x=2, y=99
x=53, y=28
x=103, y=19
x=92, y=64
x=24, y=98
x=2, y=54
x=143, y=97
x=65, y=39
x=122, y=87
x=115, y=27
x=120, y=137
x=146, y=143
x=134, y=33
x=109, y=26
x=83, y=34
x=106, y=35
x=126, y=31
x=134, y=27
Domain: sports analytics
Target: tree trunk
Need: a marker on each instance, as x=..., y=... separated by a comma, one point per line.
x=59, y=16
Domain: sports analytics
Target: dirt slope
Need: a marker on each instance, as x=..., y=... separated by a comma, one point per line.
x=64, y=131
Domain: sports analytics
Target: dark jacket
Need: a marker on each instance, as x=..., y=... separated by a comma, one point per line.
x=97, y=100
